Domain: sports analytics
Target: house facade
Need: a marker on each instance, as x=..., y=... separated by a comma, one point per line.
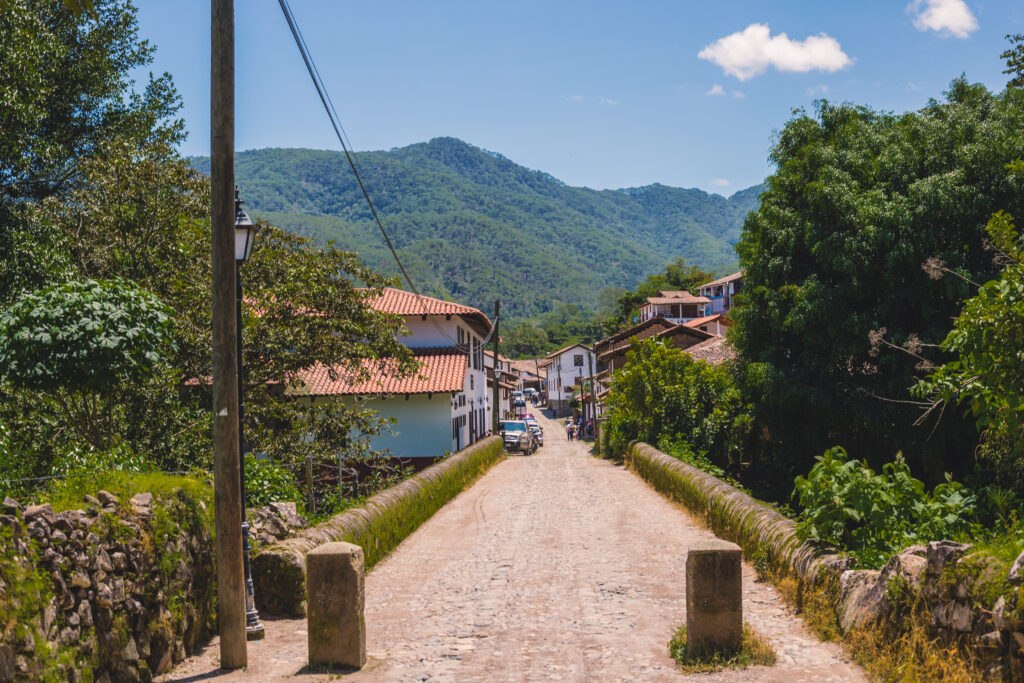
x=716, y=324
x=611, y=351
x=567, y=368
x=532, y=374
x=444, y=406
x=508, y=382
x=674, y=306
x=721, y=293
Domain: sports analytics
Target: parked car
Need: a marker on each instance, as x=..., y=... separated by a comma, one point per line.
x=536, y=430
x=517, y=437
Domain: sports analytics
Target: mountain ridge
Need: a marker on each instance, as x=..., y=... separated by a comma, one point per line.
x=472, y=225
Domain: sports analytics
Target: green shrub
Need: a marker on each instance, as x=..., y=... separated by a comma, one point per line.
x=872, y=515
x=268, y=482
x=662, y=392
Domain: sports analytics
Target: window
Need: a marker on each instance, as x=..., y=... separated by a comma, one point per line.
x=577, y=360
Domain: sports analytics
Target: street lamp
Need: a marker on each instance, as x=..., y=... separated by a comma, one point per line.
x=245, y=235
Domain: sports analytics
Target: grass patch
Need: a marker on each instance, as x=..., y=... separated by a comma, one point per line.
x=69, y=493
x=755, y=651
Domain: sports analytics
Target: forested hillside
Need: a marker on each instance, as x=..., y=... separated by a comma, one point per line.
x=474, y=226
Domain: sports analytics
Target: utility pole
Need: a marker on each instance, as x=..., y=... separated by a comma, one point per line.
x=227, y=484
x=593, y=396
x=497, y=373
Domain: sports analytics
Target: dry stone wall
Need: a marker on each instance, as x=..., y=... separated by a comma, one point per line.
x=378, y=526
x=118, y=591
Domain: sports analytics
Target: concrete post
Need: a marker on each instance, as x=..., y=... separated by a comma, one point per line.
x=714, y=597
x=334, y=605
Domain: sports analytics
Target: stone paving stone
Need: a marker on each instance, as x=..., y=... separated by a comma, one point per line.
x=557, y=566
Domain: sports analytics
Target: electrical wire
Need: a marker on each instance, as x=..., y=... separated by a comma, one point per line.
x=353, y=162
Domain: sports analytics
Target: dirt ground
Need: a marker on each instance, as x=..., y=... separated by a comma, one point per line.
x=557, y=566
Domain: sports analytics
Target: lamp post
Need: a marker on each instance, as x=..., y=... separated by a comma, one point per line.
x=245, y=235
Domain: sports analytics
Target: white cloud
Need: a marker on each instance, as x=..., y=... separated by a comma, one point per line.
x=738, y=93
x=817, y=90
x=951, y=17
x=609, y=102
x=716, y=90
x=750, y=52
x=572, y=98
x=720, y=182
x=911, y=86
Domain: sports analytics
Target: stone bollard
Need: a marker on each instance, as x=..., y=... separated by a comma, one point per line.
x=334, y=605
x=714, y=598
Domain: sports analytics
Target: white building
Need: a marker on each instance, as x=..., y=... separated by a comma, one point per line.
x=674, y=306
x=443, y=406
x=567, y=368
x=508, y=381
x=721, y=293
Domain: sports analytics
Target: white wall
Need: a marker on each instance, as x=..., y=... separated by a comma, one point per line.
x=425, y=334
x=563, y=372
x=424, y=428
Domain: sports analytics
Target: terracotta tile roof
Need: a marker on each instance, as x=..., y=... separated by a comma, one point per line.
x=688, y=299
x=401, y=302
x=723, y=280
x=715, y=351
x=618, y=344
x=697, y=322
x=633, y=331
x=686, y=330
x=441, y=370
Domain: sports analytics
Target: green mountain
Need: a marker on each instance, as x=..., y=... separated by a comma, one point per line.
x=473, y=226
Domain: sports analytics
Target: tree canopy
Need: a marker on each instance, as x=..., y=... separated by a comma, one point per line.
x=861, y=200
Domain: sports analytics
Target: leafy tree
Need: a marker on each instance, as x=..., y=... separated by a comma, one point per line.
x=140, y=211
x=859, y=202
x=525, y=341
x=1014, y=60
x=64, y=90
x=81, y=342
x=662, y=392
x=987, y=374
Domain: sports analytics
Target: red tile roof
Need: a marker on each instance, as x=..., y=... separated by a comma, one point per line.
x=723, y=280
x=401, y=302
x=697, y=322
x=632, y=331
x=441, y=370
x=715, y=351
x=687, y=299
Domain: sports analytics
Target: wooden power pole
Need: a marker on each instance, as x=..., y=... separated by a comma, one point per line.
x=226, y=467
x=593, y=395
x=496, y=392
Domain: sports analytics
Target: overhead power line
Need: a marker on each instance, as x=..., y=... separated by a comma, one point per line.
x=353, y=161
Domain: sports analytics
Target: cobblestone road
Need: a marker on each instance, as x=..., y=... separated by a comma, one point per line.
x=557, y=566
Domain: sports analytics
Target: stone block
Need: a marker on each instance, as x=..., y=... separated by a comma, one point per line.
x=334, y=605
x=714, y=596
x=861, y=596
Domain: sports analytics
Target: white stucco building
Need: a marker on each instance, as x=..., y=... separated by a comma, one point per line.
x=443, y=406
x=567, y=368
x=721, y=293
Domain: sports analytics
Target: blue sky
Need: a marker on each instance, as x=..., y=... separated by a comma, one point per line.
x=600, y=93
